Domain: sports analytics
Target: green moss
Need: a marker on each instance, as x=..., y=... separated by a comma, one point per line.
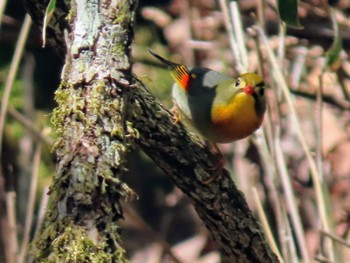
x=93, y=140
x=118, y=50
x=74, y=245
x=72, y=11
x=131, y=131
x=124, y=15
x=62, y=96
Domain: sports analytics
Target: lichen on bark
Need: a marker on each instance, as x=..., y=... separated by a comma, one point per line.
x=93, y=138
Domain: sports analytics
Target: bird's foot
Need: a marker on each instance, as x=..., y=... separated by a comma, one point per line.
x=176, y=116
x=218, y=167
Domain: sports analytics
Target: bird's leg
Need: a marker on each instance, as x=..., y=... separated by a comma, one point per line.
x=217, y=168
x=175, y=111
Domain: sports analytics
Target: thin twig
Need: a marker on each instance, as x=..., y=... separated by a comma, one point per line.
x=340, y=104
x=12, y=248
x=40, y=217
x=320, y=198
x=12, y=73
x=31, y=202
x=232, y=39
x=340, y=75
x=29, y=126
x=336, y=238
x=266, y=225
x=281, y=49
x=323, y=260
x=261, y=6
x=290, y=199
x=236, y=21
x=286, y=184
x=319, y=128
x=319, y=155
x=42, y=209
x=297, y=66
x=267, y=153
x=2, y=8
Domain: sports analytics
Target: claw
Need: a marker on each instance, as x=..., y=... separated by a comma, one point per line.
x=218, y=167
x=175, y=112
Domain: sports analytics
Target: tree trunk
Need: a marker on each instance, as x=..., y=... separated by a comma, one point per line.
x=101, y=111
x=94, y=136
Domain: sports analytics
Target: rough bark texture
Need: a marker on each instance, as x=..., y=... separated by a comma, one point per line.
x=95, y=131
x=81, y=222
x=219, y=204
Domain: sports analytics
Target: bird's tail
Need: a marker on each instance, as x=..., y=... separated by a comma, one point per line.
x=180, y=73
x=163, y=60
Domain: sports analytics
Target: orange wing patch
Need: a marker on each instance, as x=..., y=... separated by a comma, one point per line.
x=181, y=75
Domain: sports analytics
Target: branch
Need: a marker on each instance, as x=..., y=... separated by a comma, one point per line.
x=190, y=164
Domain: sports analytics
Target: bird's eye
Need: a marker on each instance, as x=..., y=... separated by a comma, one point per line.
x=261, y=91
x=238, y=82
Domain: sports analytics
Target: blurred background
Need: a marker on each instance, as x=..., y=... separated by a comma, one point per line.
x=294, y=172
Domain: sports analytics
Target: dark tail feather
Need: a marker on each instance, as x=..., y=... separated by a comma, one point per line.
x=163, y=60
x=180, y=73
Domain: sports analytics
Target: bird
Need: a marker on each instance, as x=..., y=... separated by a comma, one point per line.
x=220, y=108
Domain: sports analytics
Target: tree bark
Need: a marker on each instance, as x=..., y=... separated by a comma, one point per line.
x=81, y=223
x=101, y=111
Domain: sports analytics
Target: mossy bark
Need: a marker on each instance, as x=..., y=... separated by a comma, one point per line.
x=94, y=136
x=96, y=129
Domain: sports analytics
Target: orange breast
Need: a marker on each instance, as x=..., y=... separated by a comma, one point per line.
x=236, y=120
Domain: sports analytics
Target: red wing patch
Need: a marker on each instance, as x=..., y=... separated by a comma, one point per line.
x=181, y=75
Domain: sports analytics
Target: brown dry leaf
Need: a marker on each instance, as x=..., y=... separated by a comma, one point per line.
x=150, y=254
x=176, y=33
x=156, y=15
x=339, y=159
x=333, y=131
x=340, y=164
x=190, y=249
x=340, y=169
x=346, y=253
x=312, y=240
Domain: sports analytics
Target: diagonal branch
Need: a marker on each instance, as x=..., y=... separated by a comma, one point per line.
x=219, y=204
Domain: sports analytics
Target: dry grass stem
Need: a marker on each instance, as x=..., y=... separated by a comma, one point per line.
x=231, y=36
x=336, y=239
x=12, y=73
x=321, y=202
x=31, y=203
x=266, y=225
x=12, y=242
x=2, y=8
x=29, y=125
